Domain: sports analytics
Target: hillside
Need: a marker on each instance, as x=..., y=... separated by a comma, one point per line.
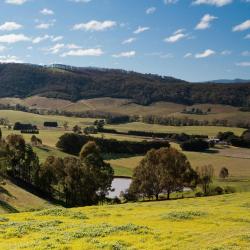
x=70, y=83
x=14, y=199
x=220, y=222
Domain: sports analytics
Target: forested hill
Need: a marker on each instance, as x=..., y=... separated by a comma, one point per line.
x=72, y=83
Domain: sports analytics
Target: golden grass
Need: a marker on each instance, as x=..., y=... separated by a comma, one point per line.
x=16, y=199
x=219, y=222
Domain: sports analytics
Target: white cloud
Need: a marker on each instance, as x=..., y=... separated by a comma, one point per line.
x=176, y=36
x=187, y=55
x=170, y=1
x=40, y=39
x=84, y=52
x=150, y=10
x=10, y=59
x=73, y=46
x=218, y=3
x=95, y=25
x=56, y=48
x=16, y=2
x=204, y=54
x=44, y=26
x=9, y=26
x=13, y=38
x=245, y=53
x=205, y=22
x=47, y=12
x=226, y=52
x=56, y=38
x=129, y=40
x=141, y=29
x=243, y=64
x=243, y=26
x=125, y=54
x=247, y=36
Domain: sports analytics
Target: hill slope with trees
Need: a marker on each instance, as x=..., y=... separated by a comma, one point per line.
x=72, y=83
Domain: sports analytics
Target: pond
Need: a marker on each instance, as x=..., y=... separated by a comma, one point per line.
x=119, y=185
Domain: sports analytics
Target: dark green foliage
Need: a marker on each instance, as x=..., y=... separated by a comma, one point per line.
x=22, y=80
x=164, y=169
x=50, y=124
x=205, y=177
x=198, y=145
x=237, y=141
x=224, y=173
x=72, y=144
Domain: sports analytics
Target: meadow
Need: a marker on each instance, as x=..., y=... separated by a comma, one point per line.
x=219, y=222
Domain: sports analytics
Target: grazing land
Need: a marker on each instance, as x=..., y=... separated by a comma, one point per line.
x=14, y=199
x=219, y=222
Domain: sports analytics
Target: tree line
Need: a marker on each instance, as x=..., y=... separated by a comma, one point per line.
x=76, y=181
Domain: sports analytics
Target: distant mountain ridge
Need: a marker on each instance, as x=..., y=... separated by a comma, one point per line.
x=237, y=80
x=76, y=83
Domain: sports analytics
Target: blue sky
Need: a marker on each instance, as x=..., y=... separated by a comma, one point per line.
x=195, y=40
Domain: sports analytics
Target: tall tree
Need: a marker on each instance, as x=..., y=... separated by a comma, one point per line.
x=163, y=170
x=206, y=174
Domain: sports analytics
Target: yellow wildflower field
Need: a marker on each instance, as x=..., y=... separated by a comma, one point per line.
x=218, y=222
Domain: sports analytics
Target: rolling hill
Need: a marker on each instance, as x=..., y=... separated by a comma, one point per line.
x=72, y=83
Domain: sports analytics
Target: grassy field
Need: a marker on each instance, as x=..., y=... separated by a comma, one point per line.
x=125, y=106
x=14, y=199
x=197, y=130
x=24, y=117
x=212, y=223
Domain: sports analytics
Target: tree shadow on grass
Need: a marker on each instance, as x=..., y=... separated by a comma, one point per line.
x=6, y=192
x=7, y=207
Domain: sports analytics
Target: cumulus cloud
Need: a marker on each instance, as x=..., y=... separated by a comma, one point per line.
x=40, y=39
x=13, y=38
x=218, y=3
x=150, y=10
x=16, y=2
x=205, y=22
x=243, y=26
x=84, y=52
x=127, y=54
x=95, y=25
x=141, y=29
x=129, y=40
x=176, y=36
x=205, y=54
x=45, y=26
x=10, y=59
x=9, y=26
x=55, y=49
x=243, y=64
x=187, y=55
x=47, y=12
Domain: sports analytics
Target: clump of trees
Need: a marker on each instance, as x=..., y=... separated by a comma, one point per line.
x=198, y=145
x=162, y=171
x=237, y=141
x=74, y=180
x=80, y=181
x=72, y=143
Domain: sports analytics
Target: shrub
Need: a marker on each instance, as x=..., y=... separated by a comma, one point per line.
x=195, y=145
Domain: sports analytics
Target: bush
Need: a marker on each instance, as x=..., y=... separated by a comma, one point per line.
x=199, y=194
x=195, y=145
x=229, y=189
x=219, y=190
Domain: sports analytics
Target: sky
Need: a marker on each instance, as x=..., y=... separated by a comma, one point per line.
x=194, y=40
